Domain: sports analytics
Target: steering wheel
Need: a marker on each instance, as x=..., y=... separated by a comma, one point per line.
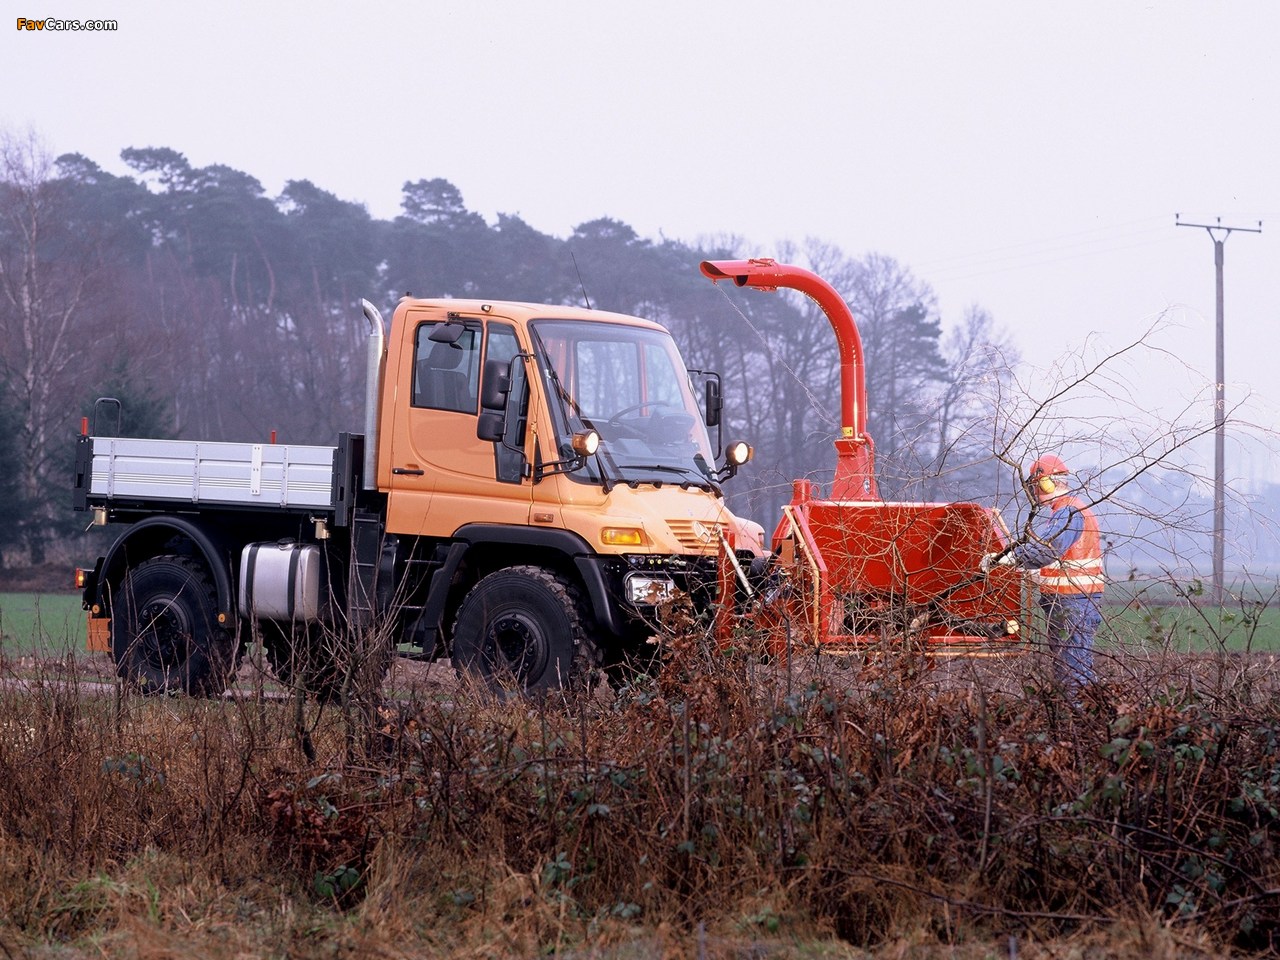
x=633, y=427
x=662, y=429
x=639, y=406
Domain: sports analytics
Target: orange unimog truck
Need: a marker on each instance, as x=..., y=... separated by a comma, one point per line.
x=533, y=482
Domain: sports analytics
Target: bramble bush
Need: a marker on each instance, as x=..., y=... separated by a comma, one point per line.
x=866, y=799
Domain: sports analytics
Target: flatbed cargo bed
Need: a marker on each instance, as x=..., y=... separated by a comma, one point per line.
x=208, y=473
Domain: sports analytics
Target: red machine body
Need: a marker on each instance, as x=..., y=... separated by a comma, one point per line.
x=853, y=569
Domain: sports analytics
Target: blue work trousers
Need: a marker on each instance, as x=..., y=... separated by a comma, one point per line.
x=1072, y=621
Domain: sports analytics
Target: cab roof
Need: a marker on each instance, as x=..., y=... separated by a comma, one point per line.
x=523, y=312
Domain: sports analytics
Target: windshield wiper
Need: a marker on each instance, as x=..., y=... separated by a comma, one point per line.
x=605, y=460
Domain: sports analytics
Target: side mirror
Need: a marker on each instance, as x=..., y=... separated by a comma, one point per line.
x=713, y=408
x=714, y=404
x=495, y=385
x=513, y=401
x=489, y=426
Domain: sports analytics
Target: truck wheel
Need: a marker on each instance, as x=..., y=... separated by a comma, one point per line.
x=319, y=658
x=524, y=627
x=165, y=636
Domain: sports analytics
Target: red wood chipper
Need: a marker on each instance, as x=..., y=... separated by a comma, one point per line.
x=855, y=570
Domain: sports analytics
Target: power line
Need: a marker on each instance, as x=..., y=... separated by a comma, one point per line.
x=1043, y=246
x=1012, y=264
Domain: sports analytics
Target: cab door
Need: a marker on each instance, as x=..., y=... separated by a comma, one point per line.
x=442, y=475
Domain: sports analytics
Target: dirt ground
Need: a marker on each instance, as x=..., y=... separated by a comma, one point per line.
x=408, y=679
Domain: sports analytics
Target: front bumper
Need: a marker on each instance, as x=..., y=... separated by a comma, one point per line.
x=641, y=583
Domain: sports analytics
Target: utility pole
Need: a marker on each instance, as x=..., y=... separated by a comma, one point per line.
x=1218, y=233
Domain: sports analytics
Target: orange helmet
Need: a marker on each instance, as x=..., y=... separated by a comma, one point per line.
x=1041, y=474
x=1047, y=466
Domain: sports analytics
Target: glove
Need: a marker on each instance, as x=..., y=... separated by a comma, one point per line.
x=990, y=560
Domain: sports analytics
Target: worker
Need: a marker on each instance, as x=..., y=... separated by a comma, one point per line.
x=1062, y=540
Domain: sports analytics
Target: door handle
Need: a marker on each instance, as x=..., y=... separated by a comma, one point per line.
x=408, y=471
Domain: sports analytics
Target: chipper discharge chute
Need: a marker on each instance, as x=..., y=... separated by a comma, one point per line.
x=855, y=570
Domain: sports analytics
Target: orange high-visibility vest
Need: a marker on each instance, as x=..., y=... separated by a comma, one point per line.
x=1080, y=569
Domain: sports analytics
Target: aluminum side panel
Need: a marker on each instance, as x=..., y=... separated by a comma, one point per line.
x=205, y=472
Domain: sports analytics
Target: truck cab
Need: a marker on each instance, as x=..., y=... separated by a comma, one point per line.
x=567, y=449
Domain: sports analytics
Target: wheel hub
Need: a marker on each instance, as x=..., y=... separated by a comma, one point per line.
x=164, y=634
x=518, y=645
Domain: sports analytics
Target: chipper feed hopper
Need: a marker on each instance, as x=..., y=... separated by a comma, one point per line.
x=854, y=570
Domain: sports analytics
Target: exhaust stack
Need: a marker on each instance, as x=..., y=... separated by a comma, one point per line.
x=372, y=391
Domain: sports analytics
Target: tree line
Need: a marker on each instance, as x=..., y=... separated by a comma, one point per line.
x=215, y=311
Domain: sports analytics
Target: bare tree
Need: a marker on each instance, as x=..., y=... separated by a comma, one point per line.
x=46, y=268
x=957, y=465
x=1140, y=468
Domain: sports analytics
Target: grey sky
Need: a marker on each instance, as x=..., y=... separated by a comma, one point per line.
x=1025, y=157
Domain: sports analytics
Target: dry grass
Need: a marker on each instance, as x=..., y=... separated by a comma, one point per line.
x=888, y=806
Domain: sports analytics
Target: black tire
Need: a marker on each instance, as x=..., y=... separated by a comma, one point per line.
x=323, y=660
x=165, y=636
x=525, y=628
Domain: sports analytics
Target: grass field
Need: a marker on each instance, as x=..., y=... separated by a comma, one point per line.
x=1186, y=629
x=716, y=812
x=32, y=623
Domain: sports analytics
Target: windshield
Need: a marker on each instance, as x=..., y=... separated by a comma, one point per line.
x=630, y=386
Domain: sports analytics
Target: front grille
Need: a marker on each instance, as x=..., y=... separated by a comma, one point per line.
x=698, y=536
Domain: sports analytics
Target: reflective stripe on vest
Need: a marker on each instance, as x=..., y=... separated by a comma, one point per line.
x=1080, y=569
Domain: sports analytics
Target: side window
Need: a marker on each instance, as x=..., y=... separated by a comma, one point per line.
x=446, y=376
x=502, y=342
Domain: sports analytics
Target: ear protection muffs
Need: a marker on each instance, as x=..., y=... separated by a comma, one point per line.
x=1046, y=485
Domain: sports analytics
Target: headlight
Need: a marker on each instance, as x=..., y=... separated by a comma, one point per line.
x=738, y=453
x=586, y=444
x=643, y=588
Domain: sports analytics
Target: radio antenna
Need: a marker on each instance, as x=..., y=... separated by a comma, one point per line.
x=580, y=283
